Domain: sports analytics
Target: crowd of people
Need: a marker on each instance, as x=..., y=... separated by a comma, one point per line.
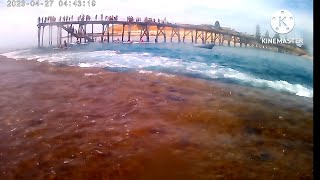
x=83, y=17
x=47, y=19
x=146, y=19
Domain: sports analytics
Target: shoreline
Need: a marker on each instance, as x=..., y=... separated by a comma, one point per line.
x=90, y=122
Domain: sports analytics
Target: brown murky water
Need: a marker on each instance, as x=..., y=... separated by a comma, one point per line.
x=75, y=123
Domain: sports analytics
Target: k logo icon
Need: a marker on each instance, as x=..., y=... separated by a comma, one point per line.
x=282, y=22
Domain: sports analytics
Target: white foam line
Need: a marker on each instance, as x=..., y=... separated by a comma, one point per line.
x=296, y=89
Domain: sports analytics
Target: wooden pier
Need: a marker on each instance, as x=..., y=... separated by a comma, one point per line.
x=198, y=33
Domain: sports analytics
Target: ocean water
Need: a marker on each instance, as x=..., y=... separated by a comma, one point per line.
x=155, y=111
x=248, y=67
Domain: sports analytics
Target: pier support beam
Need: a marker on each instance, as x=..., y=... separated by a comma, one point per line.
x=175, y=32
x=123, y=26
x=108, y=32
x=235, y=40
x=42, y=36
x=208, y=36
x=112, y=32
x=57, y=35
x=50, y=35
x=60, y=36
x=199, y=35
x=39, y=34
x=102, y=33
x=186, y=33
x=92, y=32
x=228, y=38
x=144, y=32
x=129, y=32
x=161, y=31
x=221, y=39
x=196, y=40
x=85, y=32
x=80, y=32
x=192, y=37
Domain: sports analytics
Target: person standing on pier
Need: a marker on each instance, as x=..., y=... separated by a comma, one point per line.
x=65, y=44
x=38, y=20
x=101, y=17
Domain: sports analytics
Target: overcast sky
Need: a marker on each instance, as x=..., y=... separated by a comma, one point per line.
x=18, y=25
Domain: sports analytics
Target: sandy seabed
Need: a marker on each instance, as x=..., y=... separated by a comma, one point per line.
x=60, y=122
